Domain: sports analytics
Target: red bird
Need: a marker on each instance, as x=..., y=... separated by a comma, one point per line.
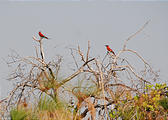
x=109, y=49
x=42, y=36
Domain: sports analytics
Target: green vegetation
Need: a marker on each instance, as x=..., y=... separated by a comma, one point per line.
x=153, y=104
x=18, y=114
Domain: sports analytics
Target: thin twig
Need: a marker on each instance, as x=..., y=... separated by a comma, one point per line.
x=133, y=35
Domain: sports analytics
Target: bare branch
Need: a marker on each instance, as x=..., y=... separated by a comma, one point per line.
x=133, y=35
x=76, y=73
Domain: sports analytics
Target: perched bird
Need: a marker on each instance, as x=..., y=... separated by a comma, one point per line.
x=109, y=49
x=42, y=36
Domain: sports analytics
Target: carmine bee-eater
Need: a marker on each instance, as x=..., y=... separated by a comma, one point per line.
x=42, y=36
x=109, y=49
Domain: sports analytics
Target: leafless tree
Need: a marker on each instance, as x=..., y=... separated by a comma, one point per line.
x=111, y=79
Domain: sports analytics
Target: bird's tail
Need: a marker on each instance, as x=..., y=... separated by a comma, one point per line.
x=46, y=37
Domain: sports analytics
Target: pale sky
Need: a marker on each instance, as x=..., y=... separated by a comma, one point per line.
x=74, y=23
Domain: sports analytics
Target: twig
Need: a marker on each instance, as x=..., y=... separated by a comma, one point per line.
x=133, y=35
x=74, y=58
x=76, y=73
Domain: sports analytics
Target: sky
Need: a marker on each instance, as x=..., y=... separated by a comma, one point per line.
x=72, y=23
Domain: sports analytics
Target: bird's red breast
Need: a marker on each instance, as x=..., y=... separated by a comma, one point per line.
x=109, y=49
x=43, y=36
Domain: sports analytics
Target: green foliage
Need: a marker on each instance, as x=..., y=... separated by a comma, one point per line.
x=164, y=103
x=149, y=105
x=47, y=108
x=46, y=103
x=18, y=114
x=143, y=106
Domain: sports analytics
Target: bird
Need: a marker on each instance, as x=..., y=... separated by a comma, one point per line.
x=42, y=36
x=109, y=49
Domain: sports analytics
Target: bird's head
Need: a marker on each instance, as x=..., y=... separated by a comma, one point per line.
x=106, y=45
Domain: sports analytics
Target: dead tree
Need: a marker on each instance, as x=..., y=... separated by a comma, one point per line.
x=111, y=79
